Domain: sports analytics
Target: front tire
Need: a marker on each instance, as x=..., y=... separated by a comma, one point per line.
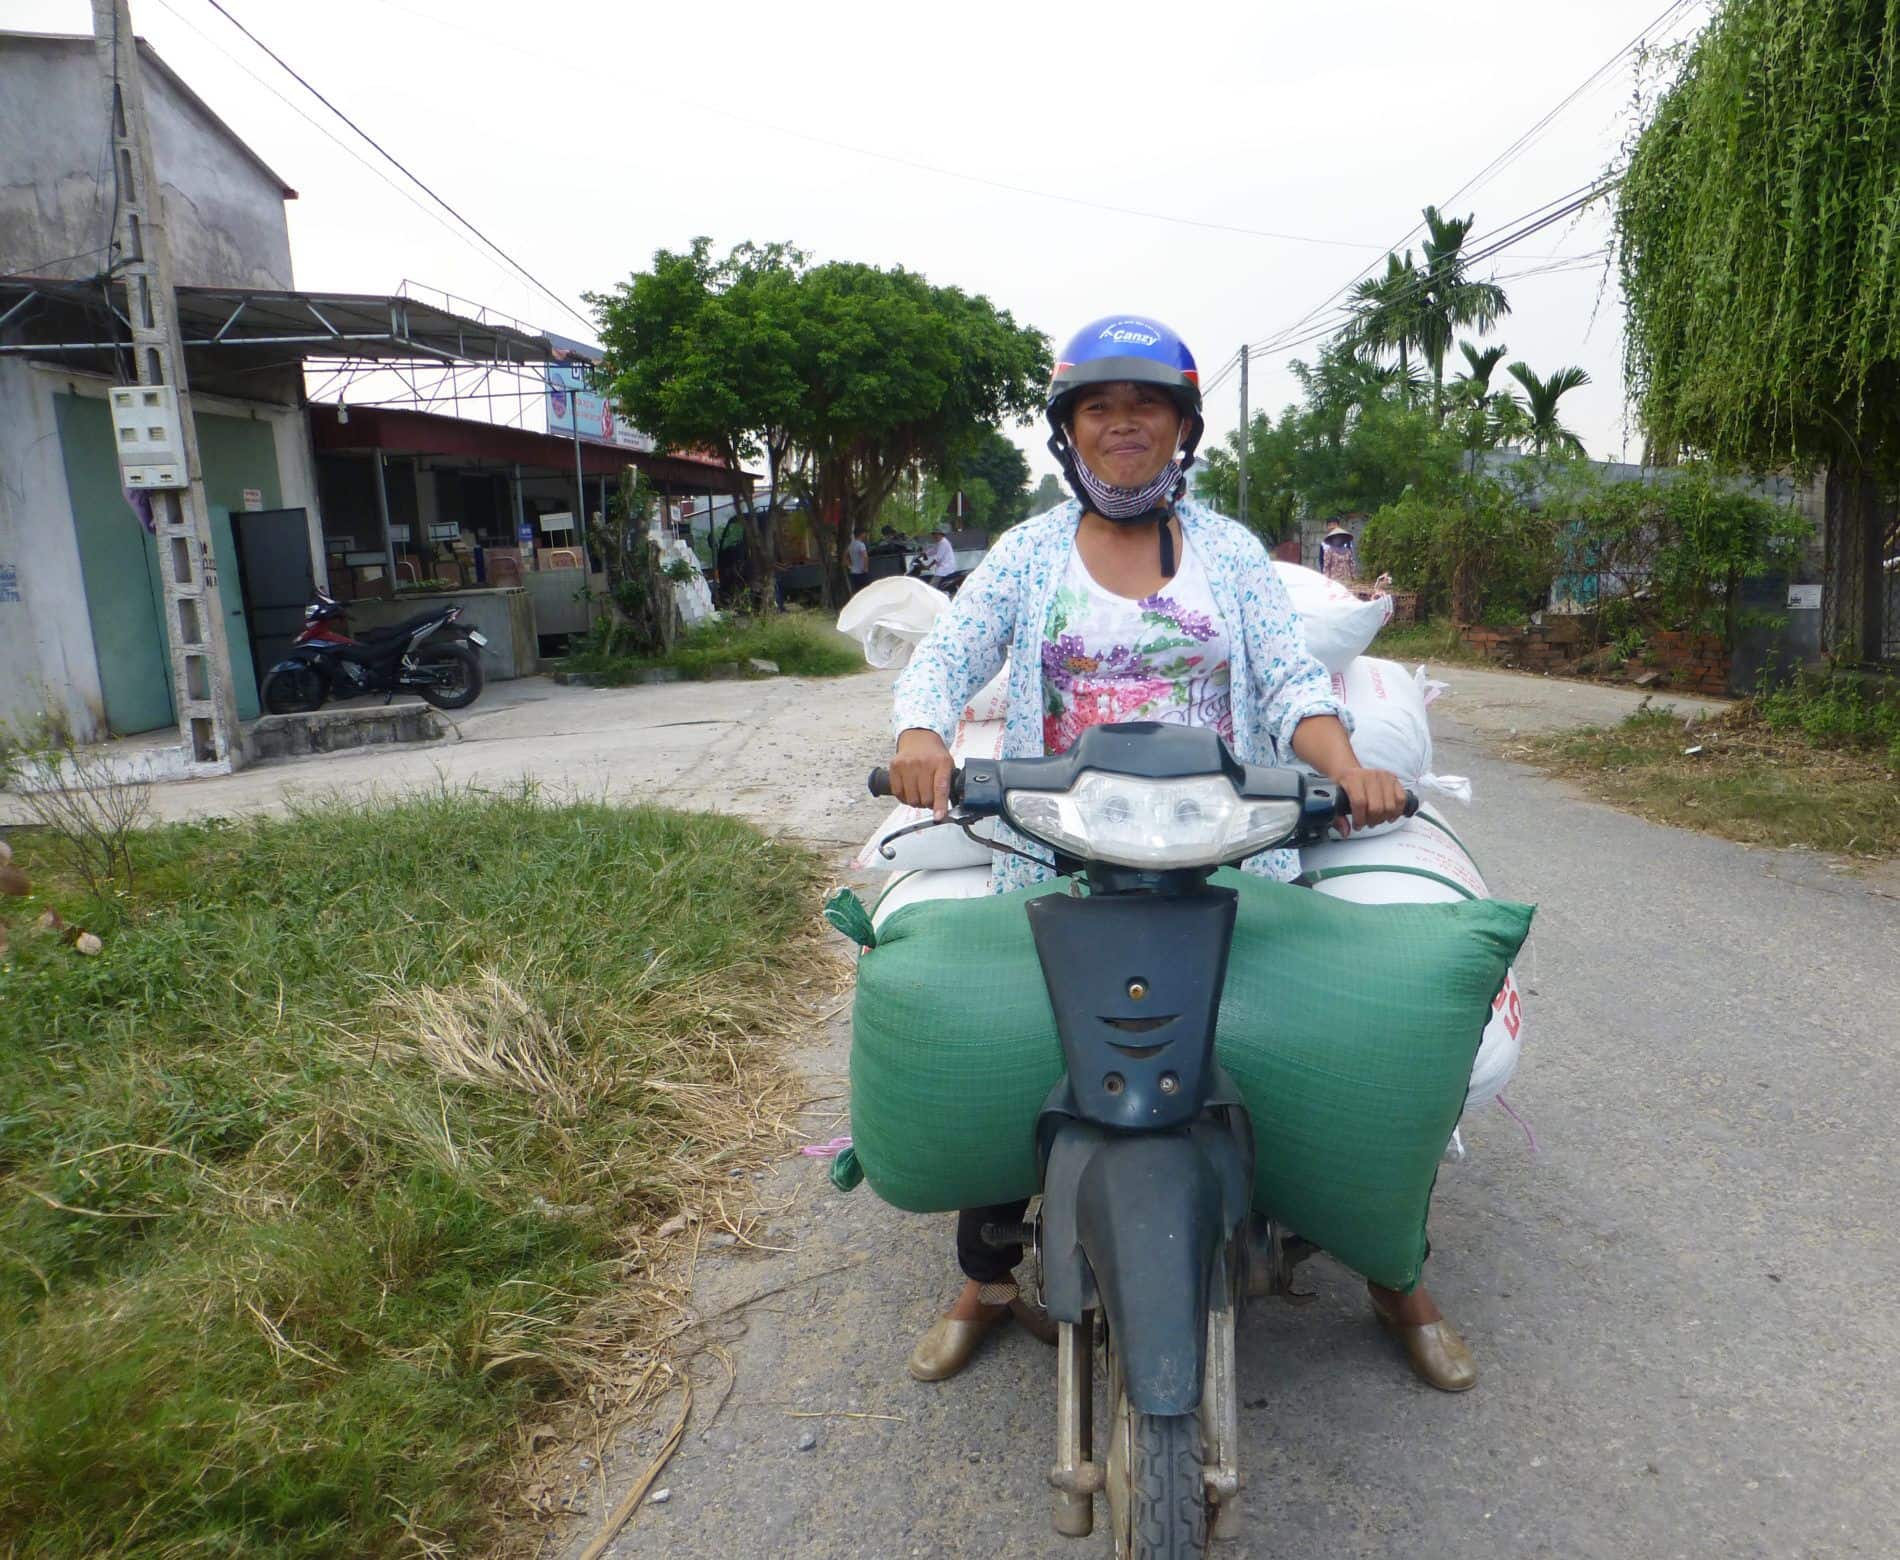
x=460, y=671
x=293, y=689
x=1157, y=1496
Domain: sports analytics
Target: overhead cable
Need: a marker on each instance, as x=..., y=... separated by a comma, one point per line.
x=390, y=157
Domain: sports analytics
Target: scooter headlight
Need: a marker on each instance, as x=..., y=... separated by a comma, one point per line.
x=1155, y=824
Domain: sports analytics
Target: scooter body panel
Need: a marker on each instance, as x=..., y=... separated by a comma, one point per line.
x=1136, y=1222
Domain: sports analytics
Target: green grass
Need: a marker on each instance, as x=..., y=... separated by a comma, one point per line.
x=1433, y=641
x=800, y=644
x=1748, y=781
x=347, y=1153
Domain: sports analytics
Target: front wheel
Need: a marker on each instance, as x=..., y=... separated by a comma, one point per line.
x=295, y=688
x=1157, y=1495
x=452, y=676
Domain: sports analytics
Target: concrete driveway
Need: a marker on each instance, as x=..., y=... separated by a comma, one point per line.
x=1681, y=1302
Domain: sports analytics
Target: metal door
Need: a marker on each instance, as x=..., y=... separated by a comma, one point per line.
x=273, y=548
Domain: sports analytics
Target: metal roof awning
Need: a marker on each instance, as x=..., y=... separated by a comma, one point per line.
x=61, y=319
x=400, y=431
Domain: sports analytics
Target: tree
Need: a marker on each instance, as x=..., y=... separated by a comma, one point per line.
x=1543, y=427
x=843, y=376
x=1451, y=301
x=1049, y=492
x=1758, y=247
x=699, y=354
x=1354, y=442
x=898, y=374
x=1475, y=383
x=1000, y=469
x=1386, y=314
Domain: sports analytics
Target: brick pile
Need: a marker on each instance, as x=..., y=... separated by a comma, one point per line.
x=1695, y=663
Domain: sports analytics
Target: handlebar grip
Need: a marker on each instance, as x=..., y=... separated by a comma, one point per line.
x=1342, y=804
x=880, y=782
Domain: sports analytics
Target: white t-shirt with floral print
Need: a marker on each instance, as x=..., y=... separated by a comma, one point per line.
x=1108, y=658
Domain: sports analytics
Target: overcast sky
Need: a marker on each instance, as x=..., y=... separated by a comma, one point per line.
x=582, y=135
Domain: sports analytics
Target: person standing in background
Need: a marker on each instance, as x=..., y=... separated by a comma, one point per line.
x=857, y=563
x=1337, y=561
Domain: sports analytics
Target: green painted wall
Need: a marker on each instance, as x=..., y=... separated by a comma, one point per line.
x=119, y=561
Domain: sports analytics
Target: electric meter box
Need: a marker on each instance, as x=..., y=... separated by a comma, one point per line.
x=145, y=428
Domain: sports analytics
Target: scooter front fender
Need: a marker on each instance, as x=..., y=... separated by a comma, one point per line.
x=1136, y=1222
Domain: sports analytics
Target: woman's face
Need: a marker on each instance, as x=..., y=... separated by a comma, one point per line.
x=1125, y=433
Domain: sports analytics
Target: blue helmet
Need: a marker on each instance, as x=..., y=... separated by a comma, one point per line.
x=1132, y=348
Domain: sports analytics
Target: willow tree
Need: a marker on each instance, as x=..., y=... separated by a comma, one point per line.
x=1759, y=244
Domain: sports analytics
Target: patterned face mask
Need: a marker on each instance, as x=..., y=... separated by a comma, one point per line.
x=1126, y=503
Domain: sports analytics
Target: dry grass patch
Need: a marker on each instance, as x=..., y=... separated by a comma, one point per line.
x=357, y=1180
x=1736, y=776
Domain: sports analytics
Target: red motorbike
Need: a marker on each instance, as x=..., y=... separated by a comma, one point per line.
x=431, y=654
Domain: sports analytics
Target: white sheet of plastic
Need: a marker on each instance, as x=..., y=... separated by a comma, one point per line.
x=1337, y=624
x=890, y=616
x=910, y=887
x=692, y=596
x=1418, y=846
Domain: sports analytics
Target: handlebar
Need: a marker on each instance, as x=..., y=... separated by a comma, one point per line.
x=880, y=785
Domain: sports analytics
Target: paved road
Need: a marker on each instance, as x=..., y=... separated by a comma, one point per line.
x=1682, y=1304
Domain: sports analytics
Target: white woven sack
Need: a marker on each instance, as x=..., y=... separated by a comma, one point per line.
x=1336, y=623
x=890, y=616
x=909, y=888
x=991, y=701
x=1421, y=863
x=1390, y=729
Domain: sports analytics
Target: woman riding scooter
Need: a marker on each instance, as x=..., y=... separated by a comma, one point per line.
x=1131, y=602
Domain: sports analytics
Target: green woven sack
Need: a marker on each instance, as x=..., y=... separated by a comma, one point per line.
x=1349, y=1028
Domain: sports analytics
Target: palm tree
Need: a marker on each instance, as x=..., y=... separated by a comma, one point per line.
x=1386, y=314
x=1540, y=407
x=1475, y=383
x=1450, y=300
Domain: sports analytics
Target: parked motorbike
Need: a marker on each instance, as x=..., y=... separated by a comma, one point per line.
x=431, y=654
x=1145, y=1146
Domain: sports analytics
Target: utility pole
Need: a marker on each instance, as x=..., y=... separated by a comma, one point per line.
x=1242, y=506
x=202, y=690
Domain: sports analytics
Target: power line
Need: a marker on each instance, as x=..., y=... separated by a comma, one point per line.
x=1497, y=164
x=395, y=162
x=330, y=135
x=912, y=163
x=1513, y=232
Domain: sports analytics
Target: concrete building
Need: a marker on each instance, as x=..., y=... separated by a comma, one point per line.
x=81, y=620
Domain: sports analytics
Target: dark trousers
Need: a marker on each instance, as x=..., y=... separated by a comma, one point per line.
x=980, y=1260
x=858, y=582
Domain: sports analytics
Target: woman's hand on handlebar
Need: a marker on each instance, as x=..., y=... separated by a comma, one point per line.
x=920, y=773
x=1377, y=796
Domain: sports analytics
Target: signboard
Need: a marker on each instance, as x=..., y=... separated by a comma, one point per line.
x=1804, y=596
x=600, y=420
x=9, y=582
x=561, y=520
x=253, y=500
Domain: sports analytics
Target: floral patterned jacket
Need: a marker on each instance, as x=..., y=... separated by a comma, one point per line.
x=1276, y=681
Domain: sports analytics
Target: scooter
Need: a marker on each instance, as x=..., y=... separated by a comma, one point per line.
x=431, y=653
x=949, y=584
x=1145, y=1146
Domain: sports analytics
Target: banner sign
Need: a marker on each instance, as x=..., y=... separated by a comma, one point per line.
x=600, y=421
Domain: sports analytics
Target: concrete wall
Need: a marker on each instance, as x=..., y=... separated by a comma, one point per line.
x=224, y=214
x=46, y=656
x=46, y=645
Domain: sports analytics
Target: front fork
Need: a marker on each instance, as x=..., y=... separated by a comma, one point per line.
x=1077, y=1478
